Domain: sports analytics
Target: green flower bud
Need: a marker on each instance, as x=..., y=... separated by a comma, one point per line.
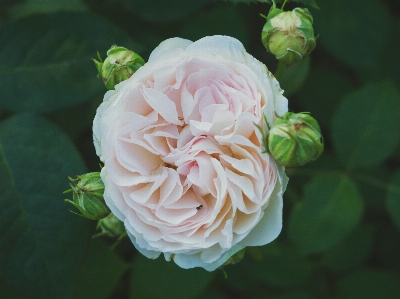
x=111, y=226
x=119, y=65
x=87, y=196
x=288, y=35
x=295, y=139
x=90, y=183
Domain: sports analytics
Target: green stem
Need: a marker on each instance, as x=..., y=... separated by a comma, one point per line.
x=280, y=70
x=283, y=5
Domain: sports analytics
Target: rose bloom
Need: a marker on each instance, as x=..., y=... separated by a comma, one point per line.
x=183, y=162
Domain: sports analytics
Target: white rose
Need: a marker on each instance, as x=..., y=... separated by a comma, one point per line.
x=183, y=164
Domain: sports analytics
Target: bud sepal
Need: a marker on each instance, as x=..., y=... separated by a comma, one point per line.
x=110, y=226
x=87, y=196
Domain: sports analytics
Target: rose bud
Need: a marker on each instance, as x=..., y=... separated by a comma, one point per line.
x=288, y=35
x=111, y=226
x=295, y=139
x=87, y=196
x=90, y=183
x=119, y=65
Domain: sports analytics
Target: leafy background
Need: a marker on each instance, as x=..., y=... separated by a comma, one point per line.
x=341, y=214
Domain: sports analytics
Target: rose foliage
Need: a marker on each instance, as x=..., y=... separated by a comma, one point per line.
x=184, y=168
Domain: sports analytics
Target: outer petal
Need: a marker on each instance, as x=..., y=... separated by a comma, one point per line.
x=151, y=254
x=220, y=45
x=187, y=261
x=270, y=225
x=98, y=120
x=169, y=44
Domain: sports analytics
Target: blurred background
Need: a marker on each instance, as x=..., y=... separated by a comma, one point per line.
x=341, y=226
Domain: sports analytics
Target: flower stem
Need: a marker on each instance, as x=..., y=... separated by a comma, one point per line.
x=280, y=70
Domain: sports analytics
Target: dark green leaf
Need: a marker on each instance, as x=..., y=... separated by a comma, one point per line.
x=42, y=243
x=352, y=251
x=293, y=295
x=372, y=184
x=74, y=120
x=354, y=31
x=280, y=266
x=162, y=11
x=101, y=271
x=369, y=284
x=222, y=20
x=331, y=209
x=393, y=199
x=387, y=58
x=365, y=125
x=387, y=247
x=310, y=3
x=213, y=294
x=158, y=279
x=321, y=93
x=7, y=293
x=46, y=60
x=31, y=7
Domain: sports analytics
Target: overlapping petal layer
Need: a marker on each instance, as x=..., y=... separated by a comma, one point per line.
x=183, y=162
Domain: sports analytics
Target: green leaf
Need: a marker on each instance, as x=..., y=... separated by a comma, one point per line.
x=101, y=271
x=310, y=3
x=369, y=284
x=46, y=60
x=364, y=128
x=353, y=31
x=42, y=243
x=386, y=59
x=331, y=209
x=352, y=251
x=321, y=91
x=294, y=76
x=393, y=199
x=293, y=295
x=212, y=294
x=222, y=20
x=75, y=120
x=165, y=10
x=158, y=279
x=387, y=247
x=372, y=183
x=280, y=266
x=31, y=7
